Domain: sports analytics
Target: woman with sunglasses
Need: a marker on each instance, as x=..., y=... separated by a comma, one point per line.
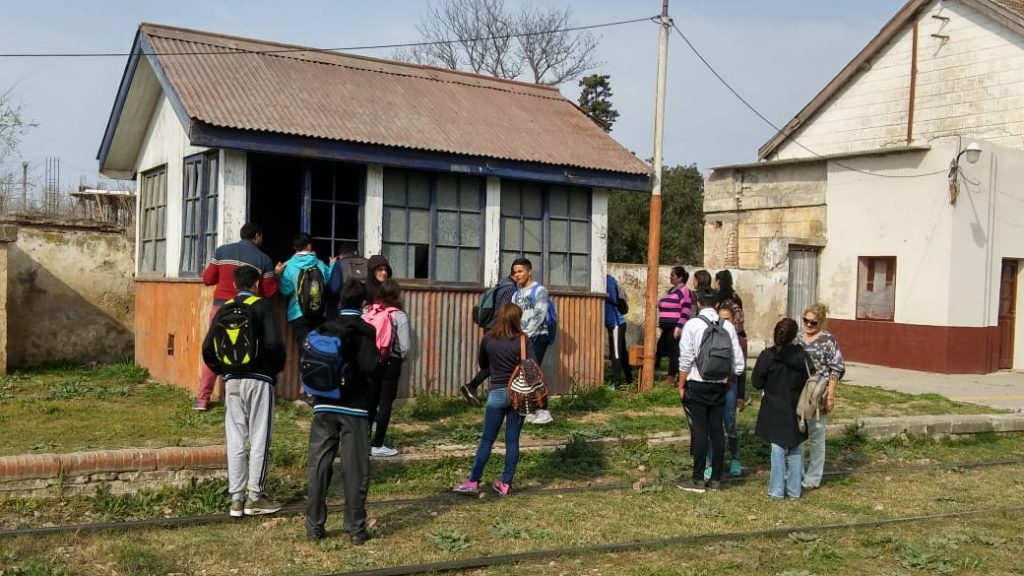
x=823, y=349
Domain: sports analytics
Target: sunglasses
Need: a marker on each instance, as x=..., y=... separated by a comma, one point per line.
x=810, y=322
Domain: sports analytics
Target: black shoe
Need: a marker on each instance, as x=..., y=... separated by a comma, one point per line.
x=315, y=537
x=359, y=538
x=470, y=395
x=714, y=485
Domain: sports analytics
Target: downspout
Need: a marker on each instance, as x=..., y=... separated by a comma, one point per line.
x=913, y=85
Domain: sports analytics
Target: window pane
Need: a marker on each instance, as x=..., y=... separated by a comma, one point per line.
x=447, y=192
x=506, y=263
x=579, y=203
x=580, y=237
x=346, y=222
x=559, y=273
x=321, y=181
x=511, y=234
x=148, y=257
x=559, y=236
x=470, y=230
x=558, y=200
x=419, y=226
x=532, y=236
x=161, y=252
x=394, y=187
x=510, y=197
x=537, y=259
x=395, y=253
x=419, y=255
x=469, y=192
x=320, y=215
x=533, y=201
x=211, y=214
x=447, y=269
x=211, y=245
x=419, y=190
x=187, y=262
x=469, y=266
x=580, y=271
x=448, y=228
x=394, y=224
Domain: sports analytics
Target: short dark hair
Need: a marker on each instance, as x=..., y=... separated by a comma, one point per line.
x=353, y=294
x=523, y=262
x=707, y=298
x=301, y=240
x=346, y=249
x=246, y=277
x=250, y=230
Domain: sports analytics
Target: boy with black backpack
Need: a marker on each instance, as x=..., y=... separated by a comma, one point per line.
x=304, y=282
x=709, y=353
x=341, y=418
x=244, y=346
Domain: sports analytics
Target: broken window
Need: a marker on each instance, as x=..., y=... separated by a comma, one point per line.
x=153, y=229
x=876, y=288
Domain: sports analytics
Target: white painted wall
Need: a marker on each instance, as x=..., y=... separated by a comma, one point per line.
x=373, y=211
x=492, y=232
x=166, y=143
x=598, y=239
x=968, y=84
x=233, y=205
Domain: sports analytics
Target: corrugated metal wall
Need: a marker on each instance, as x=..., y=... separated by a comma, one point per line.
x=445, y=340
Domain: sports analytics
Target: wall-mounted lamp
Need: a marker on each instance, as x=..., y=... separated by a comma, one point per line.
x=973, y=152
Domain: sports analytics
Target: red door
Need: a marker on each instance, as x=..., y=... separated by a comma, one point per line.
x=1007, y=312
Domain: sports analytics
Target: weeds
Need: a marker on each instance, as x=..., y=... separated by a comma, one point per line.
x=507, y=530
x=430, y=405
x=449, y=540
x=37, y=568
x=137, y=560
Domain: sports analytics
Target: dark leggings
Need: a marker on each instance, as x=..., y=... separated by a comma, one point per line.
x=385, y=390
x=668, y=346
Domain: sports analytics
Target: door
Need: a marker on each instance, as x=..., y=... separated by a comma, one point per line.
x=1007, y=312
x=803, y=280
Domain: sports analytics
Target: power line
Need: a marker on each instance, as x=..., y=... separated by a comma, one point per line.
x=306, y=49
x=777, y=129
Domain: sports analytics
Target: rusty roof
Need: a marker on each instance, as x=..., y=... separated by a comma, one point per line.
x=260, y=86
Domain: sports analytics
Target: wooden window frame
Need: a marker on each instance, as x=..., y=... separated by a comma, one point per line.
x=153, y=221
x=866, y=284
x=200, y=192
x=338, y=198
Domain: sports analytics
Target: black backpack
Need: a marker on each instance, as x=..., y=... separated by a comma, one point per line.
x=311, y=292
x=236, y=334
x=354, y=267
x=714, y=358
x=483, y=312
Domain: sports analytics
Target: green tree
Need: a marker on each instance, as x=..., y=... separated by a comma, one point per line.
x=682, y=220
x=596, y=100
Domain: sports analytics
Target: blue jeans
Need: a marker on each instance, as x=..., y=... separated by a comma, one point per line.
x=816, y=440
x=787, y=471
x=498, y=408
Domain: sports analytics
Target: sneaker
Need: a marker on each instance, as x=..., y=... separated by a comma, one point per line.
x=383, y=451
x=808, y=487
x=201, y=405
x=501, y=488
x=359, y=538
x=237, y=508
x=468, y=487
x=542, y=417
x=691, y=485
x=714, y=485
x=531, y=418
x=261, y=506
x=470, y=395
x=734, y=468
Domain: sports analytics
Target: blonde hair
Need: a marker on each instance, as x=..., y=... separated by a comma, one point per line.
x=820, y=312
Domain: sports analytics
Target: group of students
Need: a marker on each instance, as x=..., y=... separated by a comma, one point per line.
x=691, y=317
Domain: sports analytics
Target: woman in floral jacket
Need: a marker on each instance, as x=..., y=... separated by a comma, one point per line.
x=824, y=351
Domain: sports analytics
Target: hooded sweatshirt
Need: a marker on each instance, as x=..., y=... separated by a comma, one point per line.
x=781, y=374
x=290, y=279
x=359, y=349
x=372, y=284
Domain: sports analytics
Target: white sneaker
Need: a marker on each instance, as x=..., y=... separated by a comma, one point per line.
x=531, y=418
x=383, y=451
x=542, y=417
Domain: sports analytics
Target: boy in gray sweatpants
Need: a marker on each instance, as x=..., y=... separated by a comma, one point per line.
x=248, y=392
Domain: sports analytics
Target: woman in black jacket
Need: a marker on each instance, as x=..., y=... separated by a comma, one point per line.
x=781, y=372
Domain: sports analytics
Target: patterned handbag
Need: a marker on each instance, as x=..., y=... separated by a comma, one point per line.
x=526, y=388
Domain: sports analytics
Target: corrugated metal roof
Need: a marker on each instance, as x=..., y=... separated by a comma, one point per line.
x=261, y=86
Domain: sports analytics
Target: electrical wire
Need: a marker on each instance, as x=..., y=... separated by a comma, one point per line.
x=307, y=49
x=750, y=107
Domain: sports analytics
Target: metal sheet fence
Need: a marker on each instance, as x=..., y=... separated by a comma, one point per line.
x=444, y=338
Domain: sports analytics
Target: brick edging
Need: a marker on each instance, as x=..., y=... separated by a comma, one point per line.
x=41, y=466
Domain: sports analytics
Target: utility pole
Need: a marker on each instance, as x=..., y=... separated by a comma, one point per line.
x=24, y=186
x=654, y=227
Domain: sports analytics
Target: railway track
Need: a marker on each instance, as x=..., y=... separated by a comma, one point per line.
x=445, y=497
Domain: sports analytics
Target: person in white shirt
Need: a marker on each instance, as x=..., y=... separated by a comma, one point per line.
x=533, y=298
x=703, y=398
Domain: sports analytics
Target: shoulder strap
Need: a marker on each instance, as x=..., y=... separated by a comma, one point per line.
x=522, y=346
x=533, y=293
x=250, y=300
x=706, y=321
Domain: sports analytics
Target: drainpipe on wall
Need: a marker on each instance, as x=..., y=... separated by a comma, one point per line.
x=913, y=86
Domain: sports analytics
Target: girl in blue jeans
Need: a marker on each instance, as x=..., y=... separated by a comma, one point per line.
x=499, y=353
x=781, y=372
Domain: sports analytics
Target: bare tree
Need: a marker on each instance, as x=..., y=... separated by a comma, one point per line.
x=482, y=37
x=12, y=125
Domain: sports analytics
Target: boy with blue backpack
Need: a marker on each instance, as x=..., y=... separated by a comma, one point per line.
x=341, y=405
x=244, y=346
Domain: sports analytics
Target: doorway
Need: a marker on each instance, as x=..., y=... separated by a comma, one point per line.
x=803, y=280
x=1007, y=312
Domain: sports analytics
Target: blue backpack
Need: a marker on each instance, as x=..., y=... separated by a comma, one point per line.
x=552, y=319
x=321, y=366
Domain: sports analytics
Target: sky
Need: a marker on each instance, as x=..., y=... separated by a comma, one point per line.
x=777, y=54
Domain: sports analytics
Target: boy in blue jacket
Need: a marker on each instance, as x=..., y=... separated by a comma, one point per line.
x=290, y=272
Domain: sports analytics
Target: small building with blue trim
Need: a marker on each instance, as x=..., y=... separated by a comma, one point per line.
x=450, y=175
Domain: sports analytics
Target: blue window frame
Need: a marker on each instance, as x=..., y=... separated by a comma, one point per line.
x=335, y=190
x=199, y=212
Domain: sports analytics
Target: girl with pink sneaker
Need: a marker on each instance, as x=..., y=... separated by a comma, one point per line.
x=499, y=353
